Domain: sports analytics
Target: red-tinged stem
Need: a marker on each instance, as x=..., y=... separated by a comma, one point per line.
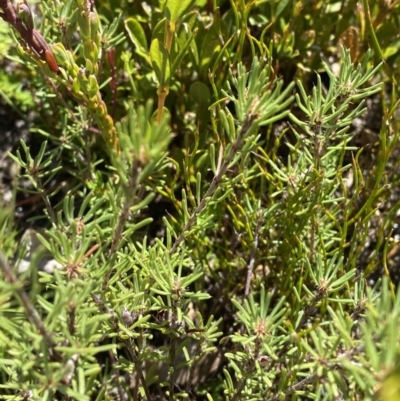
x=32, y=37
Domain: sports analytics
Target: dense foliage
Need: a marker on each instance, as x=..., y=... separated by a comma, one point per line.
x=199, y=200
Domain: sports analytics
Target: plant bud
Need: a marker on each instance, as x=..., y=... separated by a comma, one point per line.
x=24, y=12
x=83, y=81
x=92, y=107
x=75, y=86
x=94, y=22
x=89, y=66
x=73, y=70
x=93, y=87
x=95, y=69
x=60, y=54
x=90, y=51
x=50, y=60
x=64, y=77
x=71, y=59
x=21, y=50
x=84, y=25
x=96, y=39
x=101, y=110
x=79, y=95
x=108, y=122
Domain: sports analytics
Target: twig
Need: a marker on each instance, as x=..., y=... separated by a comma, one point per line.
x=196, y=353
x=239, y=390
x=31, y=312
x=308, y=312
x=113, y=82
x=172, y=349
x=134, y=357
x=252, y=256
x=129, y=200
x=31, y=36
x=47, y=203
x=295, y=387
x=298, y=386
x=215, y=182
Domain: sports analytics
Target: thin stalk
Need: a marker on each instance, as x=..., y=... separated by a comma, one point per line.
x=252, y=258
x=296, y=387
x=129, y=200
x=31, y=312
x=172, y=368
x=215, y=182
x=162, y=95
x=134, y=357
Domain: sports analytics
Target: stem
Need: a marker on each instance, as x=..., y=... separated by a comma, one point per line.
x=134, y=357
x=239, y=391
x=46, y=201
x=172, y=350
x=162, y=95
x=31, y=312
x=296, y=387
x=308, y=312
x=139, y=369
x=252, y=258
x=129, y=200
x=172, y=374
x=196, y=353
x=216, y=180
x=32, y=37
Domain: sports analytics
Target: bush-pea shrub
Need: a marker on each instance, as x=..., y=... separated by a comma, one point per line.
x=206, y=205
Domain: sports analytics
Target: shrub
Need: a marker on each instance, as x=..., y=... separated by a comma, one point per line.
x=205, y=222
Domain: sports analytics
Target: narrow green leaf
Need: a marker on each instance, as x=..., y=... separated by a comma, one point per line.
x=280, y=7
x=182, y=53
x=158, y=31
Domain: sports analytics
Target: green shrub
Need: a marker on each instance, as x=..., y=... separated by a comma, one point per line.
x=204, y=217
